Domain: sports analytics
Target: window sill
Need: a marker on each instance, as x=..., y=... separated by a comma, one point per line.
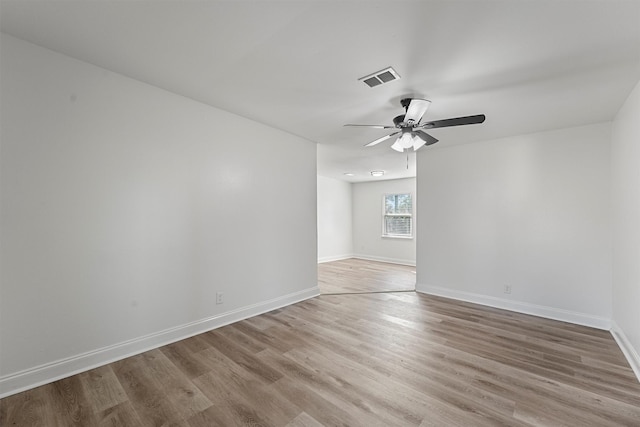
x=386, y=236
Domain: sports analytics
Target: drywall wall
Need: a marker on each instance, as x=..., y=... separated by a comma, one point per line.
x=335, y=235
x=368, y=242
x=625, y=166
x=125, y=208
x=529, y=211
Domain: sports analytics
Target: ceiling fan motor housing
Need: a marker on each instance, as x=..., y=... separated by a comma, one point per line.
x=398, y=121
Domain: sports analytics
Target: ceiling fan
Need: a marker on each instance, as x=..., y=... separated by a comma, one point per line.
x=410, y=133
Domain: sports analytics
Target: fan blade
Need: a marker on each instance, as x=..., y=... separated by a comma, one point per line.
x=379, y=140
x=416, y=110
x=458, y=121
x=425, y=137
x=372, y=126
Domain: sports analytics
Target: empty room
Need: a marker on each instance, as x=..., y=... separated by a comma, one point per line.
x=319, y=213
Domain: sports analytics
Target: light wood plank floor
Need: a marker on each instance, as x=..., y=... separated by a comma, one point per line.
x=383, y=359
x=361, y=276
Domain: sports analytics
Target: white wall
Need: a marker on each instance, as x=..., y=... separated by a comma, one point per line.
x=335, y=234
x=125, y=208
x=368, y=242
x=625, y=164
x=530, y=211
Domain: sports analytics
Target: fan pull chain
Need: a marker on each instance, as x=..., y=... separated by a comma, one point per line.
x=407, y=161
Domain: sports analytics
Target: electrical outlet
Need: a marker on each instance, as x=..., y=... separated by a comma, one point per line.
x=219, y=298
x=507, y=289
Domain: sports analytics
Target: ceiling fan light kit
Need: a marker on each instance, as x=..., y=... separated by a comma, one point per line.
x=408, y=140
x=411, y=129
x=397, y=146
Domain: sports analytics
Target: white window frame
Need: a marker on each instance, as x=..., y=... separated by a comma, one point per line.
x=385, y=215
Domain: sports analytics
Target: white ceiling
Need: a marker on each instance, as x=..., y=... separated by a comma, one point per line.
x=294, y=65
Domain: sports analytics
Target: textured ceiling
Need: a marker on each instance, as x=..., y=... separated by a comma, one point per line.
x=527, y=65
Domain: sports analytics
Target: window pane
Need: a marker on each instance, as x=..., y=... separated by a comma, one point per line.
x=398, y=225
x=403, y=203
x=397, y=215
x=389, y=204
x=397, y=204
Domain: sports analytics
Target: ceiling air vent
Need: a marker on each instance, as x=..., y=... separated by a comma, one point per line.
x=382, y=76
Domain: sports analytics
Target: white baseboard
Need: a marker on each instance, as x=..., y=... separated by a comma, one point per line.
x=44, y=374
x=519, y=307
x=334, y=258
x=627, y=349
x=385, y=259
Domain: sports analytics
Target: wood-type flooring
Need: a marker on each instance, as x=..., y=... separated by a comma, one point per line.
x=355, y=275
x=381, y=359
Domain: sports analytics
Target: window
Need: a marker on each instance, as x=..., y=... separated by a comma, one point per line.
x=396, y=219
